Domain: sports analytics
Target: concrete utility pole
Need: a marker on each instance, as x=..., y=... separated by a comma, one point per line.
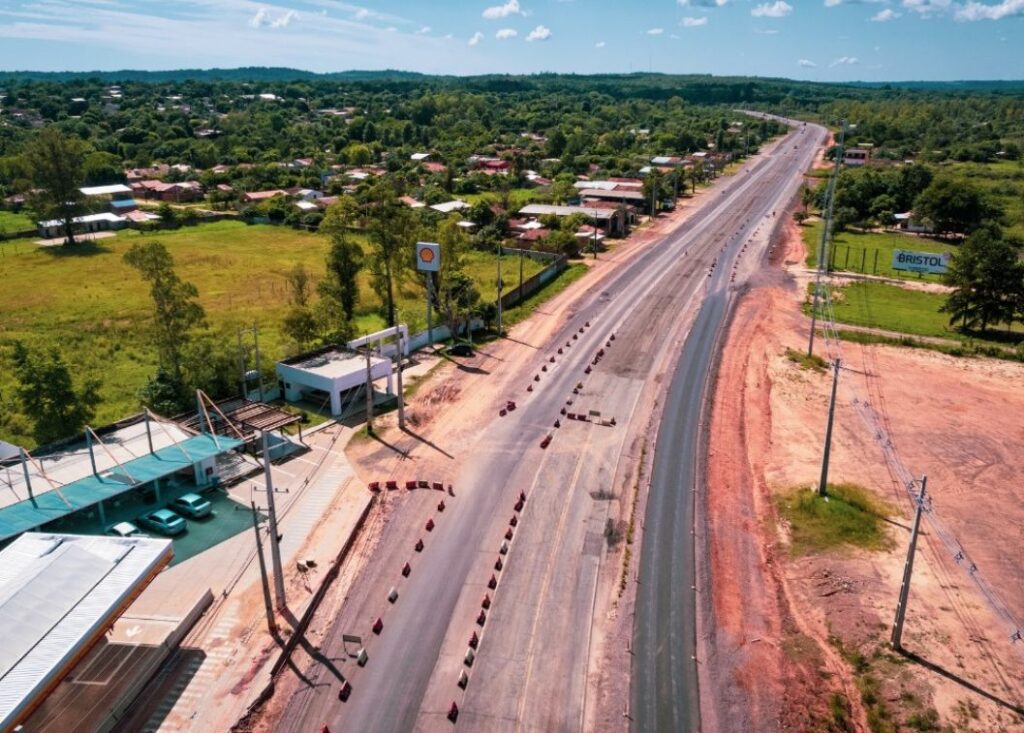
x=259, y=365
x=369, y=394
x=241, y=363
x=401, y=391
x=826, y=234
x=500, y=288
x=908, y=570
x=823, y=480
x=275, y=548
x=268, y=605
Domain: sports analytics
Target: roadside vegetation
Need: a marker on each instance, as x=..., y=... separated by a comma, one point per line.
x=849, y=516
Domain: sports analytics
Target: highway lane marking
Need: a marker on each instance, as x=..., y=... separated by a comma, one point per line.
x=547, y=582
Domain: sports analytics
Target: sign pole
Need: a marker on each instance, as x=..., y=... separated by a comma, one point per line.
x=428, y=260
x=430, y=309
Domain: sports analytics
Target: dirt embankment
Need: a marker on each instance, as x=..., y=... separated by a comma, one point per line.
x=800, y=643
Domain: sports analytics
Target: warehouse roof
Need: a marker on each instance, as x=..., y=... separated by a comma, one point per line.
x=58, y=595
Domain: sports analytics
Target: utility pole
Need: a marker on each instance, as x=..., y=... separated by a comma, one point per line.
x=268, y=605
x=259, y=365
x=241, y=363
x=823, y=481
x=401, y=391
x=500, y=287
x=520, y=274
x=275, y=548
x=908, y=569
x=369, y=395
x=826, y=234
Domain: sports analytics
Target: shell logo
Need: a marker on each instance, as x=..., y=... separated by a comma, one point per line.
x=427, y=254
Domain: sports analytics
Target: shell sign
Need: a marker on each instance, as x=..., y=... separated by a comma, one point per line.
x=428, y=257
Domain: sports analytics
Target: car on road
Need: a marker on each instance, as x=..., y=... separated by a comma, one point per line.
x=192, y=505
x=164, y=521
x=124, y=529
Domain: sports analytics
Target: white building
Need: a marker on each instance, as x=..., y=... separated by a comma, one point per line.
x=330, y=374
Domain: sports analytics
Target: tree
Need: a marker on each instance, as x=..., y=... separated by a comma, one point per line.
x=299, y=285
x=300, y=325
x=48, y=396
x=344, y=259
x=391, y=232
x=988, y=278
x=954, y=205
x=458, y=299
x=57, y=163
x=175, y=309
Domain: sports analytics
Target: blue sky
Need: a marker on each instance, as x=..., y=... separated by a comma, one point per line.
x=827, y=40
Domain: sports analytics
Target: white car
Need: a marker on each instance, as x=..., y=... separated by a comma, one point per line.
x=124, y=529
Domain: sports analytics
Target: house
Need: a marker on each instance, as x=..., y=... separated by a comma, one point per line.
x=432, y=167
x=307, y=206
x=856, y=156
x=105, y=191
x=419, y=157
x=907, y=223
x=411, y=202
x=171, y=192
x=123, y=206
x=306, y=194
x=54, y=228
x=534, y=235
x=449, y=206
x=612, y=219
x=253, y=197
x=589, y=233
x=624, y=196
x=667, y=161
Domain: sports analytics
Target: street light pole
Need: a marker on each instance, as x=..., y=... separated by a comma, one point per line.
x=275, y=548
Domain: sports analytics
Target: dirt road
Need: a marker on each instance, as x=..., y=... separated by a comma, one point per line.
x=787, y=633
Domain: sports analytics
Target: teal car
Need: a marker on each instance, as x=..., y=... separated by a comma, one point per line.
x=164, y=521
x=192, y=505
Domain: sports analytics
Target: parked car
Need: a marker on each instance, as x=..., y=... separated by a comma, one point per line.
x=164, y=521
x=124, y=529
x=460, y=349
x=192, y=505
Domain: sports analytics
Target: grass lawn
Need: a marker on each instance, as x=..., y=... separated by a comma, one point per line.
x=849, y=516
x=12, y=222
x=517, y=196
x=96, y=308
x=853, y=249
x=890, y=307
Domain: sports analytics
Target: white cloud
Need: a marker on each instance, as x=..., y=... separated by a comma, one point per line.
x=845, y=61
x=927, y=7
x=834, y=3
x=540, y=33
x=476, y=38
x=506, y=33
x=423, y=31
x=599, y=44
x=693, y=22
x=702, y=3
x=362, y=14
x=655, y=31
x=262, y=19
x=495, y=12
x=982, y=11
x=884, y=16
x=766, y=31
x=806, y=63
x=777, y=9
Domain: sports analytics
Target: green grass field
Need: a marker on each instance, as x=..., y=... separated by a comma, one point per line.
x=855, y=252
x=517, y=197
x=12, y=222
x=96, y=308
x=849, y=516
x=893, y=308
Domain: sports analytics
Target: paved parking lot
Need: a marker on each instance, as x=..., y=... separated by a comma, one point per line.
x=227, y=519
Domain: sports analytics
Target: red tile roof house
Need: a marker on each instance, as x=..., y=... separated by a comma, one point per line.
x=176, y=192
x=254, y=196
x=431, y=167
x=534, y=235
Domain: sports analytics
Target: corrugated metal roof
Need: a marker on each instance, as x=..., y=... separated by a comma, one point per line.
x=57, y=592
x=85, y=492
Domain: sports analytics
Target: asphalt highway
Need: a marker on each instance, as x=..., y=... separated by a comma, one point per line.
x=530, y=669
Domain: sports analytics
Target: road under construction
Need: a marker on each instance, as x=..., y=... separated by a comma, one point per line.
x=493, y=626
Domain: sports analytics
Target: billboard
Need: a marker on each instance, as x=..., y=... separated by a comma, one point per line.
x=428, y=257
x=934, y=262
